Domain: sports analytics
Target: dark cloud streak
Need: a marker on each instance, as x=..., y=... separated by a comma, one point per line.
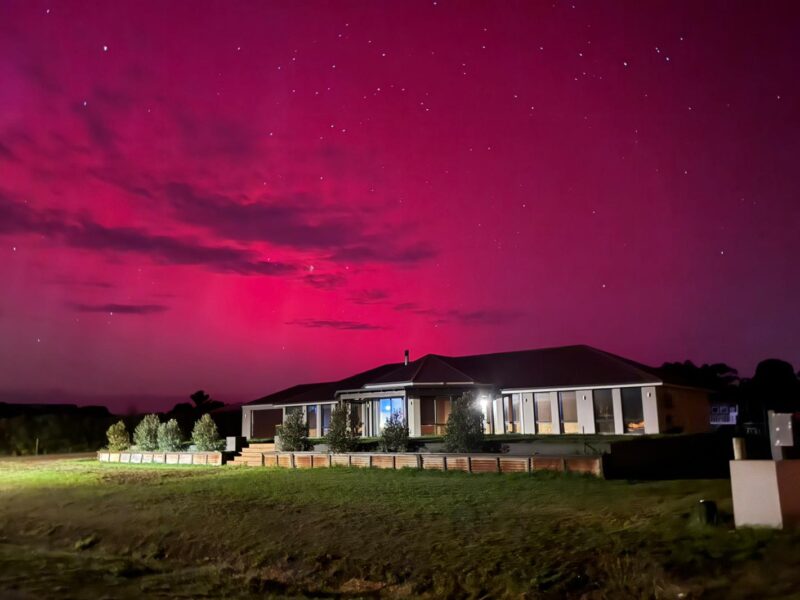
x=122, y=309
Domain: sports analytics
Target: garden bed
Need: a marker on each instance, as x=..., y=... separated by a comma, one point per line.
x=167, y=458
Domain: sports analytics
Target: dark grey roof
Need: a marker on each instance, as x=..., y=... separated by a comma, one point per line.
x=309, y=393
x=561, y=367
x=566, y=366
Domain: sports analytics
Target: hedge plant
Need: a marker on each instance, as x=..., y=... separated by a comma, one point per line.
x=342, y=436
x=394, y=437
x=464, y=426
x=293, y=433
x=205, y=435
x=118, y=437
x=169, y=436
x=145, y=436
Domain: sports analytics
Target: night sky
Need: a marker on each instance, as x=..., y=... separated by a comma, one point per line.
x=243, y=196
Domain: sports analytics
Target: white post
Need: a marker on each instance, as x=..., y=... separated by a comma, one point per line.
x=616, y=399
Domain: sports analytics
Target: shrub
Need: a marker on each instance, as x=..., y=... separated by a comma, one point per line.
x=394, y=437
x=342, y=435
x=145, y=436
x=169, y=436
x=118, y=437
x=464, y=426
x=293, y=433
x=205, y=435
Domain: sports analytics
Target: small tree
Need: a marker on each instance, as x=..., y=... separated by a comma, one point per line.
x=341, y=436
x=205, y=435
x=293, y=433
x=169, y=436
x=145, y=436
x=118, y=437
x=394, y=437
x=464, y=426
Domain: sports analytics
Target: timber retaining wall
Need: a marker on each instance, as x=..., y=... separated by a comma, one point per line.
x=469, y=463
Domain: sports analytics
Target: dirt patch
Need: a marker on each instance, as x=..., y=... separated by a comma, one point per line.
x=149, y=476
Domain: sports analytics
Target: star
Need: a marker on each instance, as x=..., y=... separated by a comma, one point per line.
x=105, y=48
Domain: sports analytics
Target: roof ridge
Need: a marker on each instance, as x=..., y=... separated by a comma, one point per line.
x=642, y=368
x=443, y=359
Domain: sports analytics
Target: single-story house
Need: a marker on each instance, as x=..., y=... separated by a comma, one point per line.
x=564, y=390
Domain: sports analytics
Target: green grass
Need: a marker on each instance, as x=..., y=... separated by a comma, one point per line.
x=80, y=529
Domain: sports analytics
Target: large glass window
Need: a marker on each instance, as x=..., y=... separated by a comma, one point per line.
x=632, y=410
x=568, y=407
x=544, y=412
x=427, y=415
x=603, y=411
x=311, y=419
x=389, y=407
x=326, y=418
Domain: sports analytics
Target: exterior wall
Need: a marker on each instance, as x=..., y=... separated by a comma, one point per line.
x=585, y=411
x=528, y=418
x=650, y=410
x=414, y=423
x=683, y=410
x=619, y=425
x=246, y=422
x=497, y=408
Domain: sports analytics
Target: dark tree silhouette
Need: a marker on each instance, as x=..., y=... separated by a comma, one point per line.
x=718, y=377
x=204, y=402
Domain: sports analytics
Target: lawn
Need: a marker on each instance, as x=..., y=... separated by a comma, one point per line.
x=80, y=529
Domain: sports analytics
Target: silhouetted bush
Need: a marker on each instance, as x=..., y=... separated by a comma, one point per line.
x=342, y=434
x=145, y=436
x=169, y=436
x=464, y=426
x=118, y=437
x=394, y=437
x=293, y=433
x=205, y=435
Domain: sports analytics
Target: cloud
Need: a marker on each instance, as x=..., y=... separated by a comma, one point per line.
x=385, y=253
x=299, y=222
x=122, y=309
x=369, y=296
x=325, y=281
x=469, y=317
x=86, y=234
x=334, y=324
x=65, y=281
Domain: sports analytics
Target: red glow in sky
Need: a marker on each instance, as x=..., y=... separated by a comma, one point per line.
x=243, y=196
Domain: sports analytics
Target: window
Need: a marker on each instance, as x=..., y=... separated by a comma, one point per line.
x=389, y=407
x=427, y=415
x=632, y=410
x=544, y=412
x=293, y=409
x=326, y=418
x=511, y=409
x=311, y=419
x=443, y=404
x=603, y=411
x=568, y=407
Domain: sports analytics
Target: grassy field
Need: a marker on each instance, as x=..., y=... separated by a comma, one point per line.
x=79, y=529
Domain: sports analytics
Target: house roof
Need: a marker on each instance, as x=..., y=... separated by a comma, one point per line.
x=308, y=393
x=561, y=367
x=566, y=366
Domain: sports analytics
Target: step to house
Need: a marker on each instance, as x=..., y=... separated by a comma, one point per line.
x=251, y=456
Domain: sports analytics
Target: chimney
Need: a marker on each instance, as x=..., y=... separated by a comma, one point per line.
x=405, y=358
